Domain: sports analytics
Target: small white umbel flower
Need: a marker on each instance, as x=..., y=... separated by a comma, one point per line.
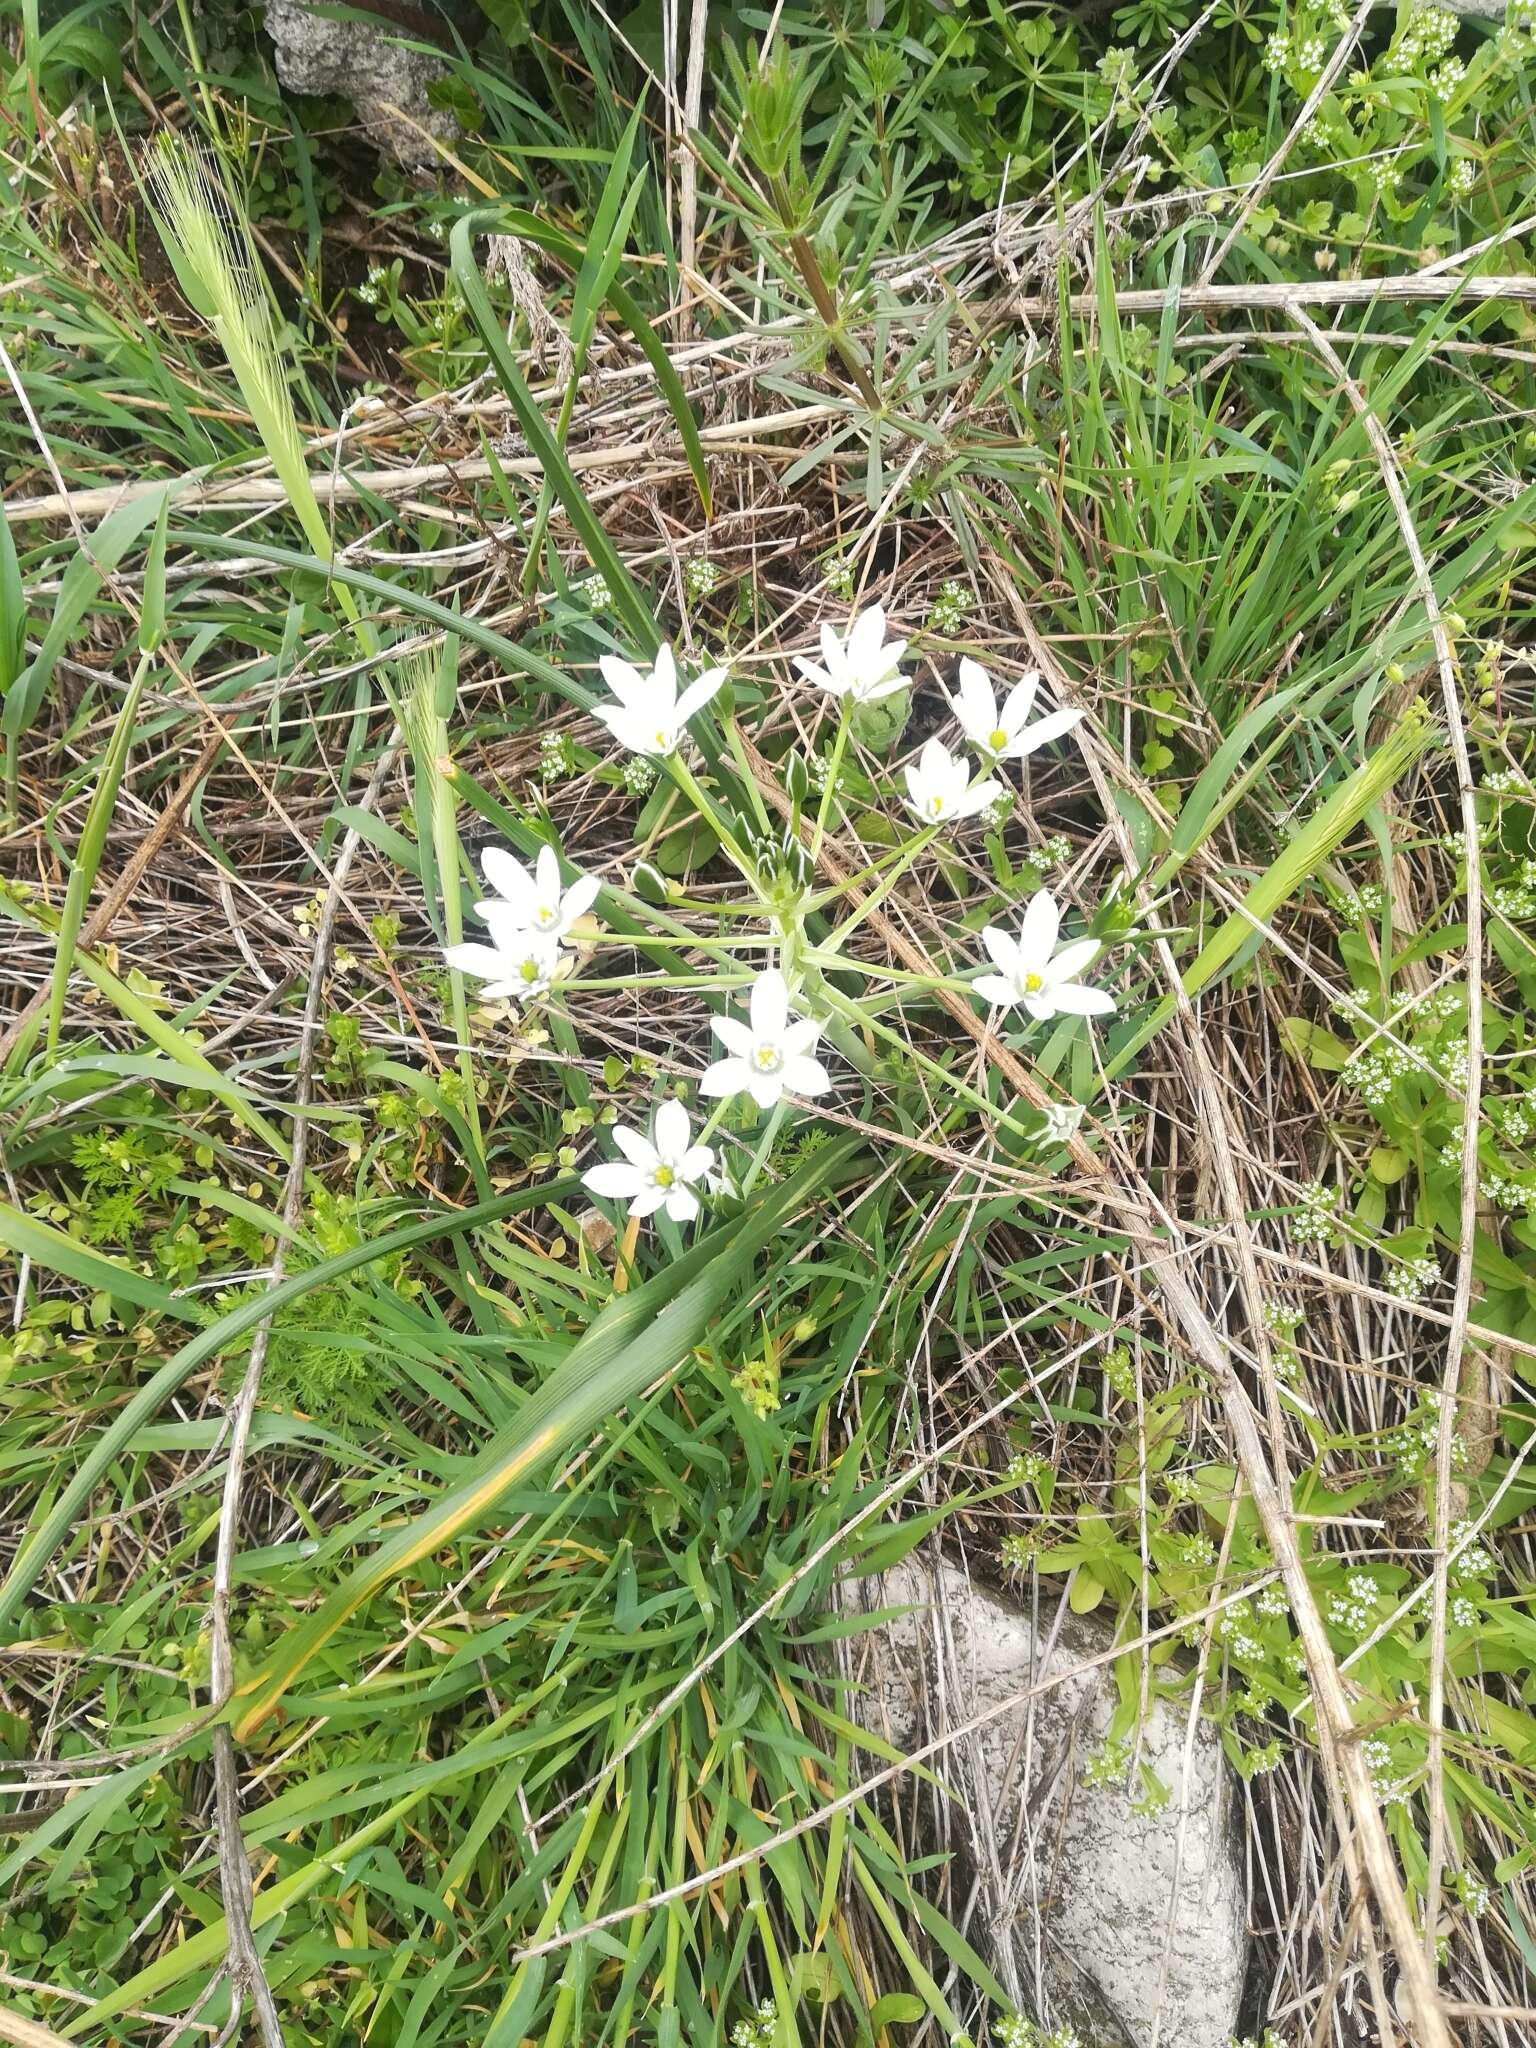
x=1004, y=733
x=861, y=665
x=1032, y=975
x=516, y=967
x=769, y=1057
x=650, y=715
x=658, y=1172
x=939, y=786
x=537, y=900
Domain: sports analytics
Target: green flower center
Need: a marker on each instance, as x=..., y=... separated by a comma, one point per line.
x=529, y=970
x=663, y=1176
x=997, y=740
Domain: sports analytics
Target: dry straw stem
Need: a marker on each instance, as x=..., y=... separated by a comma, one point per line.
x=24, y=2033
x=1461, y=1305
x=258, y=493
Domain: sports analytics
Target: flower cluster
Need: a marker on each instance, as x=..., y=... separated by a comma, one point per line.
x=771, y=1052
x=1354, y=1610
x=1414, y=1279
x=1015, y=2031
x=1391, y=1788
x=1372, y=1074
x=1317, y=1215
x=759, y=2030
x=530, y=919
x=1426, y=36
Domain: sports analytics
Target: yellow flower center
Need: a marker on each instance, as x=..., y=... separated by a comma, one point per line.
x=997, y=740
x=545, y=916
x=935, y=807
x=768, y=1059
x=1033, y=983
x=663, y=1176
x=661, y=737
x=529, y=970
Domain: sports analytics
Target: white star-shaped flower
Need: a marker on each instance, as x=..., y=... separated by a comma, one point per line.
x=517, y=965
x=939, y=786
x=770, y=1056
x=1004, y=734
x=1032, y=975
x=861, y=665
x=650, y=715
x=537, y=899
x=656, y=1172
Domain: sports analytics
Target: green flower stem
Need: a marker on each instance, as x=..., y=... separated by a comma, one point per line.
x=877, y=895
x=738, y=749
x=834, y=767
x=765, y=1146
x=684, y=779
x=958, y=984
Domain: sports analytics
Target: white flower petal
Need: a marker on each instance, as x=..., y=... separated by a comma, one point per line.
x=1042, y=732
x=615, y=1179
x=506, y=874
x=637, y=1148
x=976, y=701
x=1072, y=999
x=871, y=693
x=1071, y=961
x=578, y=899
x=1037, y=939
x=769, y=1005
x=995, y=988
x=477, y=960
x=682, y=1204
x=699, y=692
x=726, y=1077
x=979, y=797
x=648, y=1201
x=802, y=1075
x=765, y=1089
x=799, y=1036
x=627, y=682
x=671, y=1132
x=1002, y=950
x=665, y=671
x=867, y=634
x=696, y=1162
x=546, y=875
x=734, y=1035
x=1017, y=703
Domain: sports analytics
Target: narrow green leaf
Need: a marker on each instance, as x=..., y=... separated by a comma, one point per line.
x=91, y=1463
x=640, y=1338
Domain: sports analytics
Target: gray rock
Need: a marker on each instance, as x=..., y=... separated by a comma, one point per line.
x=374, y=68
x=1073, y=1891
